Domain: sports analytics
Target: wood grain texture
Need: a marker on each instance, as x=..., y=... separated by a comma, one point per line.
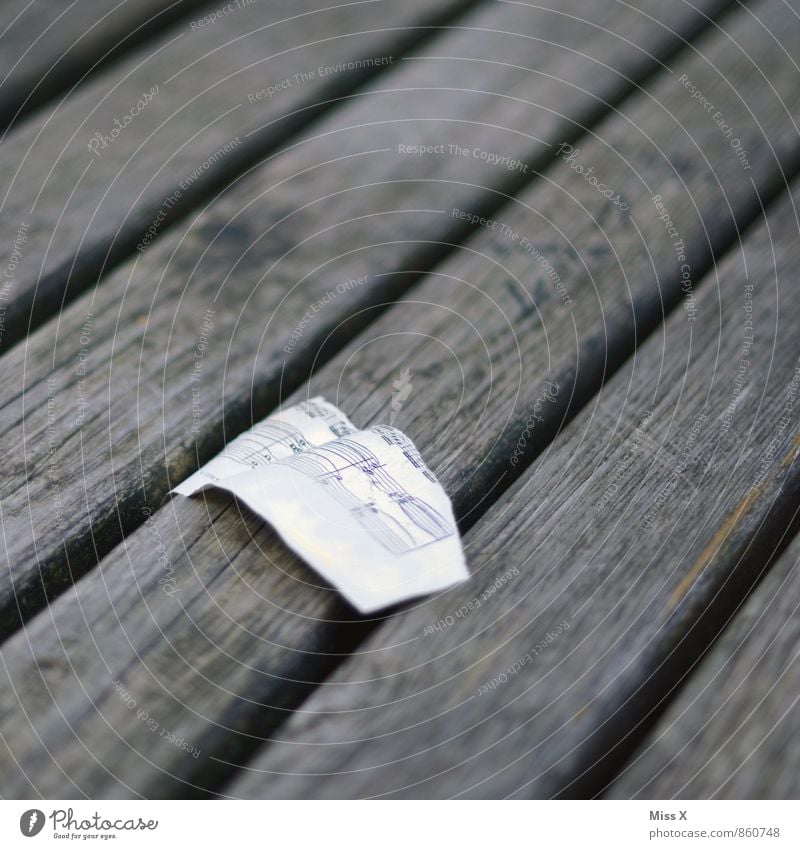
x=615, y=561
x=144, y=142
x=116, y=394
x=47, y=46
x=250, y=630
x=732, y=731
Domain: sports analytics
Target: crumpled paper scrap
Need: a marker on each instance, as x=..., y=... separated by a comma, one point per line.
x=358, y=506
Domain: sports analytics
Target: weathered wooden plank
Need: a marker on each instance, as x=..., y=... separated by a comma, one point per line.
x=732, y=731
x=100, y=174
x=613, y=563
x=248, y=629
x=84, y=465
x=47, y=46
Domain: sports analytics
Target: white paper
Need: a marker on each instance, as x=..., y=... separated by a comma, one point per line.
x=278, y=437
x=360, y=507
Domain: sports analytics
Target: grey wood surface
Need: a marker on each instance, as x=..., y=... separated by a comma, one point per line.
x=49, y=46
x=615, y=560
x=249, y=630
x=732, y=732
x=156, y=134
x=88, y=453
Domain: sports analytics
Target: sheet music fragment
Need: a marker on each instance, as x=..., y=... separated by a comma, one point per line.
x=359, y=506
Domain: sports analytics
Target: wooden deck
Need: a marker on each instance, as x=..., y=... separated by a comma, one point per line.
x=574, y=225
